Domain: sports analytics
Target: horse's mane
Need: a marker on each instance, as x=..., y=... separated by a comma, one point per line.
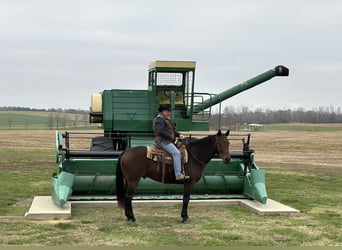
x=192, y=141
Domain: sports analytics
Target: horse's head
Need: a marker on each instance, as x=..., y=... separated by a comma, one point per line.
x=222, y=145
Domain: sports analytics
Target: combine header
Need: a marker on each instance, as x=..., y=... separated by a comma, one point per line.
x=87, y=161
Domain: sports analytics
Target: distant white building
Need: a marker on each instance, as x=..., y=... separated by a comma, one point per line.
x=254, y=127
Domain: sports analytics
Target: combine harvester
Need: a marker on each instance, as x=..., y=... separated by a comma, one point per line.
x=87, y=161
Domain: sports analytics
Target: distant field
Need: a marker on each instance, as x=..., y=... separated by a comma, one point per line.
x=42, y=120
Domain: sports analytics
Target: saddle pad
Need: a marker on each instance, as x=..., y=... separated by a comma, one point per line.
x=152, y=152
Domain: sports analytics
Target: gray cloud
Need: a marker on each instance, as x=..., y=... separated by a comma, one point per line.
x=56, y=53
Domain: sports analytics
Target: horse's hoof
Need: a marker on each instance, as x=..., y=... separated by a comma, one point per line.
x=185, y=220
x=131, y=219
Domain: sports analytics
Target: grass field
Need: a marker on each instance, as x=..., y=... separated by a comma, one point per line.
x=317, y=127
x=303, y=170
x=42, y=120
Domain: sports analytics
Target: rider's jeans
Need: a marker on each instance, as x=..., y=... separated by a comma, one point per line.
x=174, y=152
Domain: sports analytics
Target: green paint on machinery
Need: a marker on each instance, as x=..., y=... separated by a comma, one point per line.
x=127, y=120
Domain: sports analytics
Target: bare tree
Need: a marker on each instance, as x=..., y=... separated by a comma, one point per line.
x=50, y=120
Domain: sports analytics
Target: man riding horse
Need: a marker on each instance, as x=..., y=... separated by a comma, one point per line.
x=165, y=136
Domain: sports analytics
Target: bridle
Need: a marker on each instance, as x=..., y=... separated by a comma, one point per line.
x=216, y=143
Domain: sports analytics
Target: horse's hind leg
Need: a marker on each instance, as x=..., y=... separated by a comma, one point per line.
x=128, y=208
x=128, y=201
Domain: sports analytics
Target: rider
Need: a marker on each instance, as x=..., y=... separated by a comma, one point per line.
x=165, y=135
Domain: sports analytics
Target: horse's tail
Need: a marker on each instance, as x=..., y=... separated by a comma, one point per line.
x=120, y=185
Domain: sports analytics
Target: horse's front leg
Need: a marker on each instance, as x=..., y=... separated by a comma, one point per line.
x=184, y=214
x=186, y=199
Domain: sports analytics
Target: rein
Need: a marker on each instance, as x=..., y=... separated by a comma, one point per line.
x=195, y=157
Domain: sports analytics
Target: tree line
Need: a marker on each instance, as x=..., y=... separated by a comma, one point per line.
x=15, y=108
x=232, y=117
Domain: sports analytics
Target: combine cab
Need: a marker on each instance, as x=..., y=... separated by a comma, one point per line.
x=87, y=161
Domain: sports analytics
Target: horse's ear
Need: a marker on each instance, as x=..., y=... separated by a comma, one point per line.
x=227, y=133
x=219, y=132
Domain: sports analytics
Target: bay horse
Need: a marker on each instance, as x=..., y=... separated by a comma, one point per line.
x=133, y=164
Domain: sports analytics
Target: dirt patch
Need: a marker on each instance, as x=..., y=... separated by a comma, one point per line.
x=320, y=151
x=27, y=139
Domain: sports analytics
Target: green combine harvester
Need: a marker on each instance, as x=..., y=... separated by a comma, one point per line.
x=87, y=161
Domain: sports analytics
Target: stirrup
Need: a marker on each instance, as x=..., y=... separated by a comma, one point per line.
x=182, y=177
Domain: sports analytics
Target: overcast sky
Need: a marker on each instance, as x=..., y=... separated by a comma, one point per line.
x=57, y=53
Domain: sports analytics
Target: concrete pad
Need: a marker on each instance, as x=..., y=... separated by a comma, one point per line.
x=271, y=207
x=43, y=208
